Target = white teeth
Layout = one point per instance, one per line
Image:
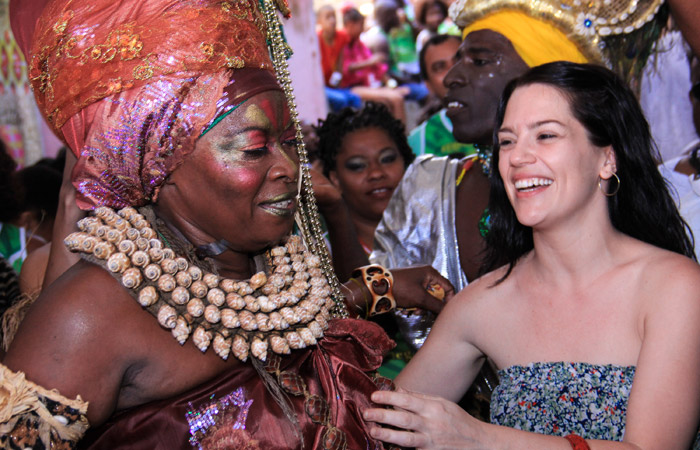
(282, 205)
(532, 182)
(454, 104)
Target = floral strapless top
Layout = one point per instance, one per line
(560, 398)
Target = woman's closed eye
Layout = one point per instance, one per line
(545, 136)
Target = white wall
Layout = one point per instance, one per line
(305, 64)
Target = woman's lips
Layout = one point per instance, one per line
(283, 205)
(382, 193)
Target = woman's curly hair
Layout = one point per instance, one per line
(336, 126)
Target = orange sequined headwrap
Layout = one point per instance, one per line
(130, 84)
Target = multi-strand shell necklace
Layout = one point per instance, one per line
(287, 309)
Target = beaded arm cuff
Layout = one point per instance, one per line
(380, 283)
(33, 417)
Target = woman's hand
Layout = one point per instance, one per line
(425, 422)
(412, 285)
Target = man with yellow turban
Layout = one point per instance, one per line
(438, 214)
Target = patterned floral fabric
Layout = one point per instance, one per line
(561, 398)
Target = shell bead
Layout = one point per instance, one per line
(182, 330)
(240, 347)
(201, 338)
(278, 321)
(248, 321)
(127, 212)
(131, 278)
(278, 251)
(166, 283)
(259, 348)
(127, 247)
(142, 243)
(99, 231)
(221, 346)
(211, 280)
(155, 243)
(216, 296)
(195, 272)
(279, 345)
(169, 266)
(195, 307)
(180, 295)
(103, 250)
(315, 329)
(244, 288)
(148, 296)
(132, 234)
(114, 236)
(199, 289)
(235, 301)
(167, 316)
(251, 303)
(168, 253)
(264, 324)
(212, 314)
(147, 233)
(118, 262)
(182, 263)
(183, 279)
(266, 305)
(140, 258)
(157, 255)
(229, 318)
(87, 245)
(227, 285)
(294, 340)
(258, 280)
(152, 271)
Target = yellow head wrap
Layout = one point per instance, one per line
(537, 42)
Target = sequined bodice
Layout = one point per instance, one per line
(560, 398)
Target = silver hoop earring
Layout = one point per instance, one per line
(617, 188)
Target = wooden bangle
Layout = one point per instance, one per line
(362, 311)
(380, 283)
(577, 442)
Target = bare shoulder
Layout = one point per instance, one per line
(75, 333)
(669, 279)
(478, 300)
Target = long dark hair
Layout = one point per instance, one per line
(606, 107)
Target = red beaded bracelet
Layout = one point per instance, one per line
(577, 442)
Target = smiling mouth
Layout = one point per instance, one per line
(282, 205)
(530, 184)
(454, 104)
(382, 192)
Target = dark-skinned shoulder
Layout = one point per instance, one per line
(78, 338)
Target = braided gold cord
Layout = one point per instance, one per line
(307, 214)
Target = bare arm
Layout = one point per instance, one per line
(72, 340)
(663, 409)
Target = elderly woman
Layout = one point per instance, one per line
(189, 153)
(593, 343)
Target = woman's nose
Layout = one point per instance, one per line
(521, 153)
(285, 165)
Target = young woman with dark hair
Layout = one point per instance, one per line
(641, 207)
(365, 153)
(593, 320)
